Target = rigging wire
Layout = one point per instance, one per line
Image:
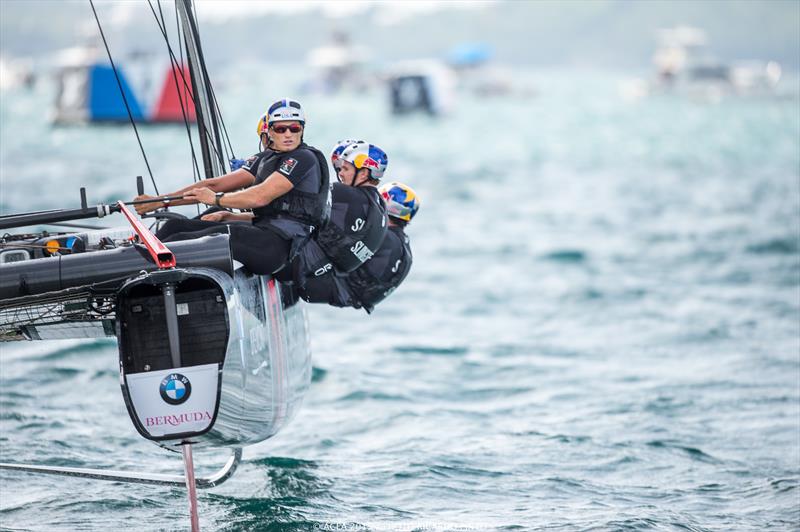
(124, 99)
(213, 116)
(217, 110)
(222, 122)
(186, 83)
(181, 97)
(186, 92)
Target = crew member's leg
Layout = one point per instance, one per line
(261, 251)
(316, 280)
(172, 227)
(207, 211)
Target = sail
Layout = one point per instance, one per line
(105, 100)
(175, 97)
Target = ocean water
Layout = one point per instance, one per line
(601, 329)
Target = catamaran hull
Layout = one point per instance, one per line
(208, 354)
(60, 272)
(244, 360)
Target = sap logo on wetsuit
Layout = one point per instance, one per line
(361, 251)
(359, 223)
(288, 165)
(322, 271)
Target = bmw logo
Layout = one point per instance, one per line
(175, 389)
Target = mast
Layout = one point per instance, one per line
(207, 125)
(208, 128)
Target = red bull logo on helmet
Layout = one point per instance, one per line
(363, 160)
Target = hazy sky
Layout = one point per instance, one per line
(395, 10)
(616, 34)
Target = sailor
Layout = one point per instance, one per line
(286, 186)
(383, 273)
(355, 231)
(336, 153)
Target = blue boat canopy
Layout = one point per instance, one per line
(469, 54)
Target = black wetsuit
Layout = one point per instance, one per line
(354, 233)
(383, 273)
(280, 229)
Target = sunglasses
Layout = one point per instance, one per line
(294, 128)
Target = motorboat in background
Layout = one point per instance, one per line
(338, 66)
(477, 74)
(15, 72)
(433, 86)
(424, 85)
(685, 66)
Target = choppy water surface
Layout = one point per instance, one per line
(601, 330)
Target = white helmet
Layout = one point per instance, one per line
(364, 155)
(336, 154)
(285, 110)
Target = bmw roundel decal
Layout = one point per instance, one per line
(175, 389)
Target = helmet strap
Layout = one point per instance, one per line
(369, 176)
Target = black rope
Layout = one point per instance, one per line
(186, 91)
(163, 25)
(217, 110)
(186, 85)
(195, 27)
(221, 121)
(124, 99)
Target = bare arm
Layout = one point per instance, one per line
(228, 216)
(275, 186)
(233, 181)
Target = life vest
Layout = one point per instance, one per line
(317, 281)
(312, 208)
(374, 281)
(349, 249)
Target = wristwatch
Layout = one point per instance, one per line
(217, 197)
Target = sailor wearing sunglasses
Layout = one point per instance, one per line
(286, 186)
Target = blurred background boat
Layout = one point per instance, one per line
(338, 66)
(684, 65)
(89, 91)
(479, 74)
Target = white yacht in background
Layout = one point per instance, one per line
(685, 66)
(477, 73)
(16, 73)
(338, 66)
